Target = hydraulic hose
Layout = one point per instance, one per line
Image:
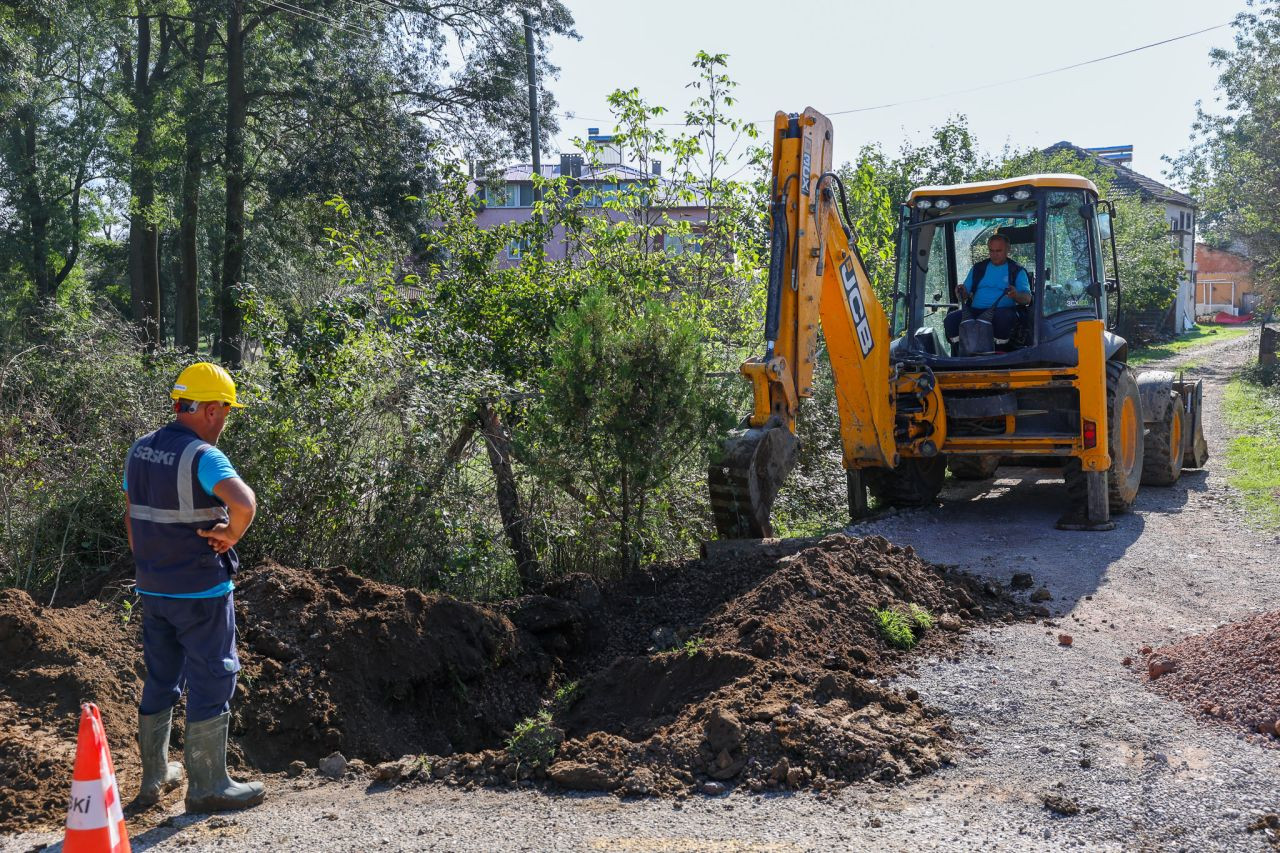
(778, 240)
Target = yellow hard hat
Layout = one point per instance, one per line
(205, 382)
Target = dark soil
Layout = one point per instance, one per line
(1231, 675)
(762, 668)
(331, 661)
(51, 660)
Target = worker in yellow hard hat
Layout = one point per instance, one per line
(187, 509)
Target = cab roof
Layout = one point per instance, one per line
(1058, 180)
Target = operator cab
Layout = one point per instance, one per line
(1056, 228)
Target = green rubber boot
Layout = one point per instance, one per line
(159, 774)
(209, 788)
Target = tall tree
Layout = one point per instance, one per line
(145, 67)
(1233, 167)
(195, 134)
(230, 342)
(52, 99)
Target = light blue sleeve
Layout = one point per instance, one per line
(214, 467)
(968, 281)
(1021, 284)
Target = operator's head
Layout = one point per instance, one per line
(998, 248)
(203, 396)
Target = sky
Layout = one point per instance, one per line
(845, 55)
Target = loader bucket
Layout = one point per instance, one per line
(745, 478)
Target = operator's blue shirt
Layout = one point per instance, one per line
(214, 467)
(992, 287)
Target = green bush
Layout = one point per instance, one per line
(902, 629)
(628, 406)
(534, 740)
(76, 389)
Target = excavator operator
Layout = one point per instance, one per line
(998, 284)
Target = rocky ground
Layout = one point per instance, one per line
(1062, 744)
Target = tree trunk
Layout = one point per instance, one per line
(187, 302)
(37, 215)
(230, 342)
(513, 520)
(144, 237)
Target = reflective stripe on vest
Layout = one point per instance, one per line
(186, 513)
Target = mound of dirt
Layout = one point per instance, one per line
(331, 661)
(764, 668)
(54, 659)
(1231, 675)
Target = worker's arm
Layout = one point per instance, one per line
(1020, 292)
(1018, 296)
(241, 504)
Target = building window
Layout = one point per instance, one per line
(518, 248)
(510, 195)
(679, 244)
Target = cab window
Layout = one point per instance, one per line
(1069, 265)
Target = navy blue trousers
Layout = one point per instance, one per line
(191, 643)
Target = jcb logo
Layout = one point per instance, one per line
(854, 295)
(148, 454)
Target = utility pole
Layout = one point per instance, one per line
(533, 102)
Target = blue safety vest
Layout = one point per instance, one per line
(167, 505)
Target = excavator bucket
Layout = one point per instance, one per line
(745, 479)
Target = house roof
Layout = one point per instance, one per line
(614, 172)
(1126, 180)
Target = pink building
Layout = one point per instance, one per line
(512, 201)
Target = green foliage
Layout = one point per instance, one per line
(1233, 166)
(900, 628)
(353, 404)
(895, 628)
(921, 619)
(692, 646)
(76, 389)
(534, 740)
(566, 695)
(627, 397)
(1150, 264)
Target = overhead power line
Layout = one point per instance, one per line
(982, 87)
(1023, 78)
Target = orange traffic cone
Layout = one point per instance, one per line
(95, 822)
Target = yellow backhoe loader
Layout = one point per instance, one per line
(914, 400)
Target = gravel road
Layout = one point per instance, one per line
(1039, 719)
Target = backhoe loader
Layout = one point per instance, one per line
(912, 401)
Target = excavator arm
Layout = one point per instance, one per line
(815, 276)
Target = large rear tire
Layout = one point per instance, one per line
(972, 467)
(915, 482)
(1164, 446)
(1124, 437)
